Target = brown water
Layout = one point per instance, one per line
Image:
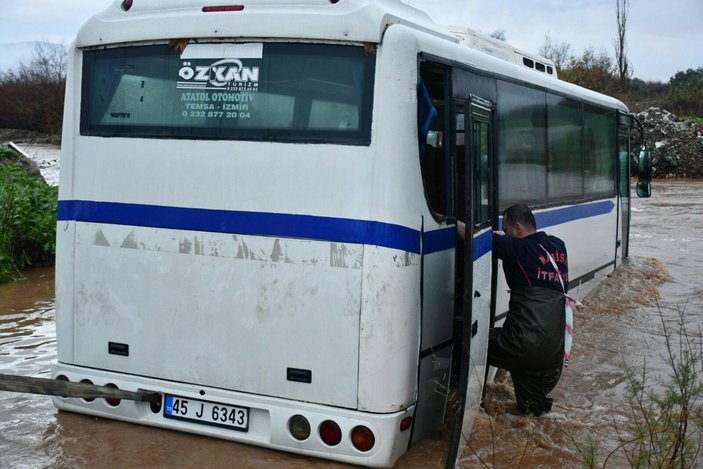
(620, 323)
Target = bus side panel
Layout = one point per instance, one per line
(436, 349)
(438, 298)
(390, 318)
(390, 330)
(66, 230)
(585, 240)
(237, 311)
(65, 239)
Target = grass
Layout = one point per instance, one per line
(27, 219)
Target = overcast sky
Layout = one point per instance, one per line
(663, 37)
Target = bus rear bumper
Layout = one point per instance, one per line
(268, 417)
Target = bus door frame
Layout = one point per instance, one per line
(624, 122)
(478, 293)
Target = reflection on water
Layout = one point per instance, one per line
(619, 324)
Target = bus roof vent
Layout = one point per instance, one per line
(502, 50)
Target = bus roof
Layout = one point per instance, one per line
(334, 20)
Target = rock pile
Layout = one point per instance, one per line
(677, 145)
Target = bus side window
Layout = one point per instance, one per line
(460, 158)
(434, 174)
(434, 160)
(482, 173)
(460, 183)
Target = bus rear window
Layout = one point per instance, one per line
(269, 91)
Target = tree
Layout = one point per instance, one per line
(642, 95)
(686, 93)
(595, 72)
(623, 65)
(31, 97)
(557, 53)
(640, 89)
(48, 63)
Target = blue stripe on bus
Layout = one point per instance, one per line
(483, 244)
(246, 223)
(445, 238)
(439, 240)
(300, 226)
(576, 212)
(566, 214)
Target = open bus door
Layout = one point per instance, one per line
(476, 295)
(623, 173)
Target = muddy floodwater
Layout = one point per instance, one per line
(619, 325)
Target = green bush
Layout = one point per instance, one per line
(686, 93)
(27, 219)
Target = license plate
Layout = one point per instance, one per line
(209, 413)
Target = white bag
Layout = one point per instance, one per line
(569, 329)
(569, 304)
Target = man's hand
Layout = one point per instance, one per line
(461, 229)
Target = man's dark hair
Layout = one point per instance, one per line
(520, 213)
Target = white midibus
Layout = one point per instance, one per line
(257, 214)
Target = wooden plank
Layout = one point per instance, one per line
(55, 387)
(18, 150)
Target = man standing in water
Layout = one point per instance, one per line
(530, 345)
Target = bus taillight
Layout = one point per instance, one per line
(362, 438)
(127, 4)
(330, 433)
(299, 427)
(62, 378)
(87, 381)
(113, 401)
